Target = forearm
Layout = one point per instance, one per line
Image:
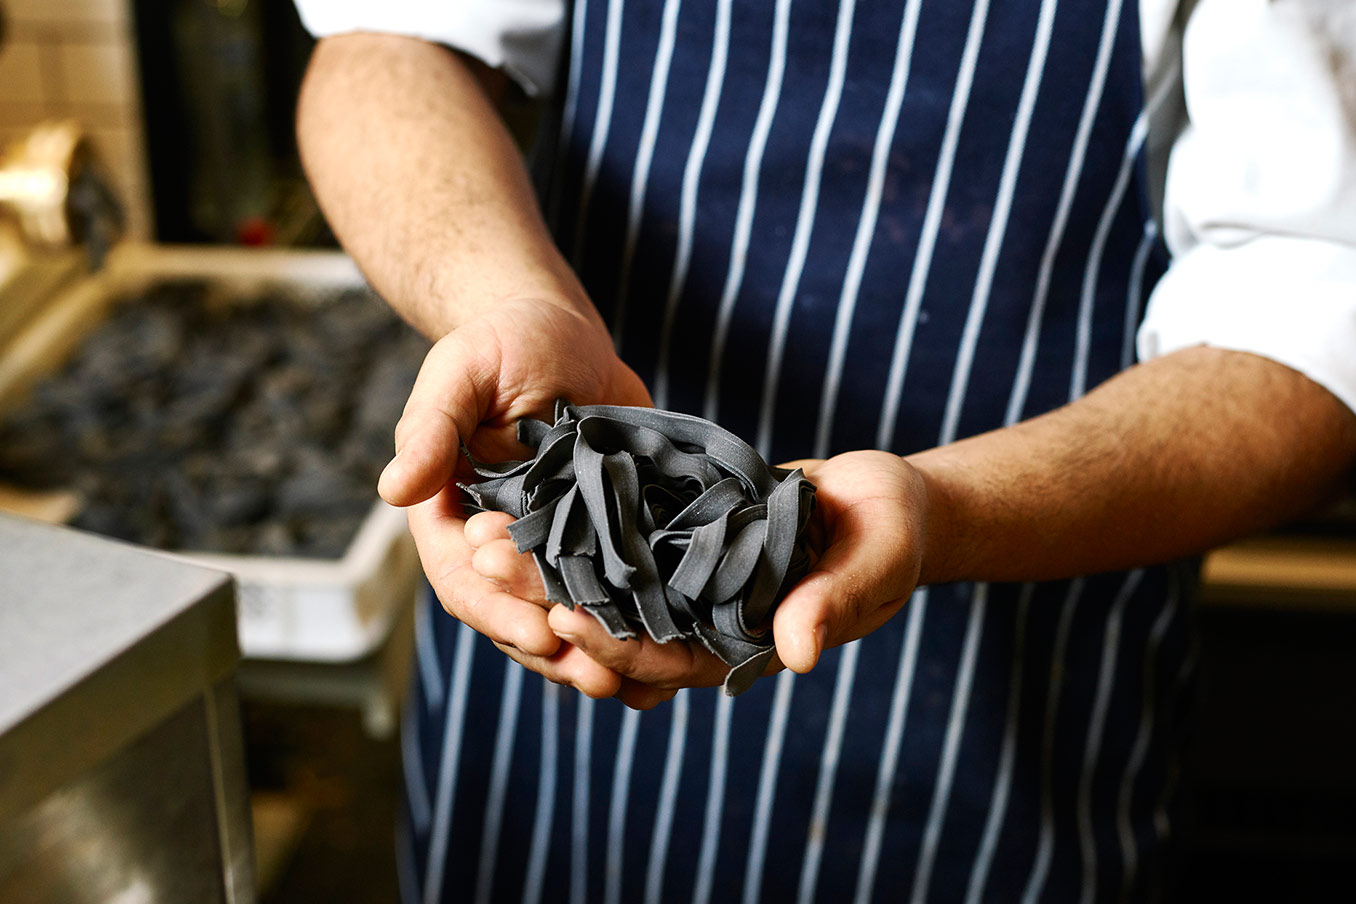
(1167, 459)
(422, 183)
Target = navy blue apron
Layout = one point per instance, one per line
(835, 226)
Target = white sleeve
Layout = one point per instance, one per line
(521, 37)
(1260, 198)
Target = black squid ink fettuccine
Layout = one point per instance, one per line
(658, 521)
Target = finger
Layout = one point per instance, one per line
(666, 665)
(854, 588)
(642, 696)
(485, 606)
(499, 561)
(803, 464)
(484, 527)
(450, 397)
(570, 666)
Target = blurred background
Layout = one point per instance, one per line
(188, 102)
(153, 214)
(208, 248)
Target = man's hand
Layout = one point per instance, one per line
(873, 509)
(510, 585)
(513, 617)
(475, 384)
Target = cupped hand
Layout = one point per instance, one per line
(474, 385)
(639, 672)
(873, 509)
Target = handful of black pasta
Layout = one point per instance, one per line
(659, 520)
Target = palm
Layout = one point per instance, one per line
(476, 383)
(478, 380)
(565, 357)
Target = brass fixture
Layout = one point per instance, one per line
(53, 191)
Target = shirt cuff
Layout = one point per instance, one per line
(521, 37)
(1292, 300)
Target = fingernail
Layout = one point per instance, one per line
(391, 465)
(388, 483)
(821, 637)
(567, 632)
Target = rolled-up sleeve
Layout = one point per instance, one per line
(521, 37)
(1260, 196)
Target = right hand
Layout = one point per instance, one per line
(475, 383)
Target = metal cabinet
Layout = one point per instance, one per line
(121, 764)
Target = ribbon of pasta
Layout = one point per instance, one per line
(657, 521)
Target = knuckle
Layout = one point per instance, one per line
(487, 560)
(452, 603)
(449, 575)
(486, 527)
(620, 656)
(661, 681)
(855, 605)
(402, 429)
(666, 676)
(511, 652)
(594, 690)
(859, 609)
(529, 638)
(644, 698)
(599, 687)
(504, 556)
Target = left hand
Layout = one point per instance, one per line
(872, 508)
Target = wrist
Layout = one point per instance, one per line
(452, 300)
(944, 548)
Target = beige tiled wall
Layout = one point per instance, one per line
(77, 59)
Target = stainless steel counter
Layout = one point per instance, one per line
(121, 767)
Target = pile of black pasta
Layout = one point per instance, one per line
(657, 521)
(193, 419)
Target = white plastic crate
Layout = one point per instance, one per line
(299, 609)
(324, 611)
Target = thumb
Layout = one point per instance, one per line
(448, 401)
(863, 578)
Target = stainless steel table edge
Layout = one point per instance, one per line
(113, 704)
